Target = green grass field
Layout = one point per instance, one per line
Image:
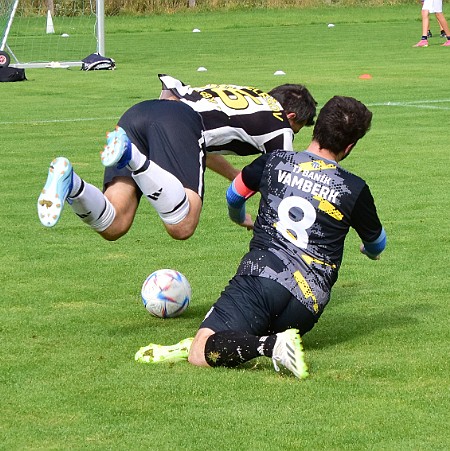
(70, 308)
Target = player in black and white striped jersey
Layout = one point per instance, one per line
(244, 120)
(158, 150)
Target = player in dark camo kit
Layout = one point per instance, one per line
(282, 285)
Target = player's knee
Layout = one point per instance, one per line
(181, 231)
(113, 235)
(197, 351)
(197, 355)
(184, 227)
(196, 359)
(181, 236)
(116, 230)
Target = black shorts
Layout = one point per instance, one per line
(169, 133)
(258, 306)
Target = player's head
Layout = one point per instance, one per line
(342, 121)
(298, 103)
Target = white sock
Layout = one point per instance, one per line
(93, 207)
(137, 160)
(164, 192)
(76, 184)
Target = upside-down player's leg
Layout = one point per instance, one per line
(186, 227)
(63, 186)
(122, 192)
(178, 206)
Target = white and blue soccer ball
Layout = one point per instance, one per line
(166, 293)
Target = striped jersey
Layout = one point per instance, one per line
(238, 120)
(307, 207)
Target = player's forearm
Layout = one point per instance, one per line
(236, 204)
(219, 164)
(373, 249)
(237, 194)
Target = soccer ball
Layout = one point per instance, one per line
(166, 293)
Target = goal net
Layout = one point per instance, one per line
(51, 33)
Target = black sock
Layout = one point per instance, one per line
(231, 348)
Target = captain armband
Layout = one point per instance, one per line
(236, 205)
(237, 194)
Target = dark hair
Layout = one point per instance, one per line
(296, 99)
(342, 121)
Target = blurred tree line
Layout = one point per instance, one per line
(116, 7)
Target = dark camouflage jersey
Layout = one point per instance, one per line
(307, 207)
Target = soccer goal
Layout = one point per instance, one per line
(50, 33)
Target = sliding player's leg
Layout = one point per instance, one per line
(237, 328)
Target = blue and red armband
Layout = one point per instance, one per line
(237, 194)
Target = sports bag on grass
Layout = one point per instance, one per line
(12, 74)
(97, 62)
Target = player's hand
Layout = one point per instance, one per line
(248, 223)
(363, 251)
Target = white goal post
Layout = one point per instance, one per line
(50, 33)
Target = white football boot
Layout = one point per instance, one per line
(288, 351)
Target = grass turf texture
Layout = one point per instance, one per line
(71, 314)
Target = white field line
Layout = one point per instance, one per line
(57, 121)
(424, 104)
